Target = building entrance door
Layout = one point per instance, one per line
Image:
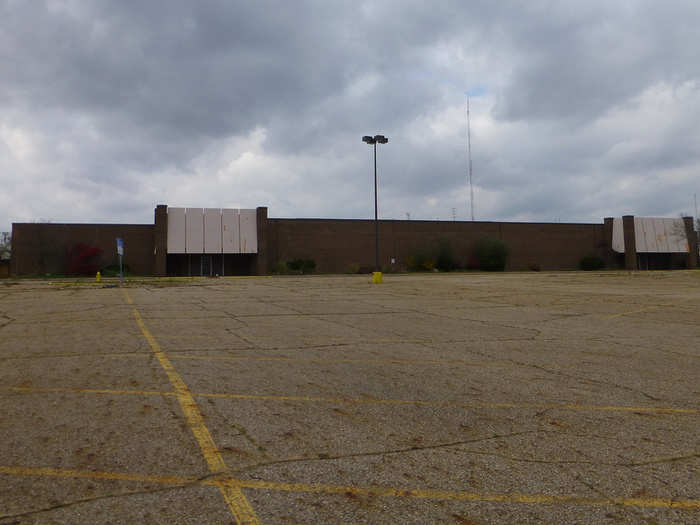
(206, 266)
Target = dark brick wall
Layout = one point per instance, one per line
(337, 245)
(160, 240)
(41, 248)
(692, 237)
(261, 259)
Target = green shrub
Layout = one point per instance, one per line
(491, 254)
(445, 260)
(421, 262)
(591, 262)
(353, 268)
(308, 266)
(301, 265)
(439, 257)
(113, 270)
(280, 268)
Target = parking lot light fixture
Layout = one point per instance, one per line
(373, 141)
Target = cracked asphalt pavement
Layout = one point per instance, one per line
(461, 398)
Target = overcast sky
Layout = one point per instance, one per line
(579, 110)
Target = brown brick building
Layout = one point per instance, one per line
(336, 245)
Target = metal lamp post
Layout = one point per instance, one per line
(377, 139)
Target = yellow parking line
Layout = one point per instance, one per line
(107, 391)
(542, 499)
(91, 474)
(427, 362)
(358, 361)
(148, 355)
(473, 496)
(369, 401)
(48, 334)
(653, 307)
(539, 406)
(239, 505)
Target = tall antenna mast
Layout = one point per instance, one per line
(469, 156)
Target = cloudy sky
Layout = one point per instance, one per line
(579, 110)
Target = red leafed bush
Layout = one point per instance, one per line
(83, 259)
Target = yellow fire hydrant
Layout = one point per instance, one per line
(98, 277)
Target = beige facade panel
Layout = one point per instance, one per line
(195, 230)
(660, 235)
(677, 236)
(618, 240)
(231, 231)
(645, 235)
(249, 231)
(212, 230)
(653, 235)
(176, 230)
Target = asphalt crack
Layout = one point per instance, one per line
(415, 448)
(80, 501)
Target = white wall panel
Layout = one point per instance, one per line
(176, 230)
(618, 240)
(645, 239)
(677, 238)
(653, 235)
(249, 231)
(212, 230)
(230, 231)
(195, 230)
(657, 235)
(655, 242)
(661, 236)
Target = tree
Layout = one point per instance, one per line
(5, 246)
(696, 222)
(492, 254)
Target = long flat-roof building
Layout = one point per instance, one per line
(215, 241)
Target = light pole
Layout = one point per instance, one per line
(377, 139)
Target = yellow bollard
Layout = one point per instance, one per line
(376, 277)
(98, 277)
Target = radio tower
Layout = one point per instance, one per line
(469, 157)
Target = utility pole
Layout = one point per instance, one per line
(469, 157)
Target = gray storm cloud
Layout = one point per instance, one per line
(583, 111)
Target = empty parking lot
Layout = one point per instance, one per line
(454, 398)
